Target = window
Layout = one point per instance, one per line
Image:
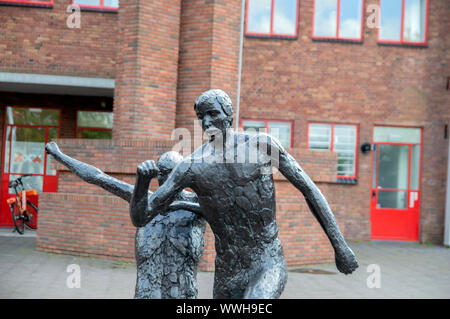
(277, 18)
(97, 125)
(403, 21)
(338, 19)
(107, 5)
(27, 131)
(34, 3)
(339, 138)
(281, 130)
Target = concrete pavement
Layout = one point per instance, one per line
(405, 271)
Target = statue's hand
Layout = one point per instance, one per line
(346, 261)
(147, 169)
(52, 148)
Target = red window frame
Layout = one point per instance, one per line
(82, 129)
(241, 126)
(337, 37)
(100, 7)
(89, 128)
(52, 181)
(28, 3)
(271, 33)
(332, 124)
(402, 41)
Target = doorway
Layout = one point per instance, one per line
(395, 197)
(25, 134)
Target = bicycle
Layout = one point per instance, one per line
(23, 211)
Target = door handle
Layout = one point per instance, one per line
(373, 195)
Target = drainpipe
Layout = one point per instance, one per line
(447, 204)
(241, 45)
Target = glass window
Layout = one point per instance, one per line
(94, 134)
(407, 15)
(414, 26)
(393, 166)
(37, 3)
(30, 182)
(87, 2)
(345, 145)
(256, 126)
(7, 146)
(415, 167)
(95, 119)
(390, 20)
(335, 19)
(350, 23)
(319, 137)
(392, 199)
(397, 134)
(100, 4)
(94, 125)
(280, 130)
(32, 116)
(339, 138)
(111, 3)
(325, 14)
(258, 16)
(27, 150)
(285, 17)
(272, 18)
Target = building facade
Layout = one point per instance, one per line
(357, 91)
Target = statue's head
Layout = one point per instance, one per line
(215, 111)
(166, 163)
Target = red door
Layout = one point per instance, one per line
(395, 194)
(26, 132)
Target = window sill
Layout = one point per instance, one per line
(104, 10)
(407, 45)
(346, 41)
(349, 181)
(272, 36)
(24, 4)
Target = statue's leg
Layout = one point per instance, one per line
(91, 174)
(269, 283)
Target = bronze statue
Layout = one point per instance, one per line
(167, 249)
(231, 175)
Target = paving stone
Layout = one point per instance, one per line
(407, 271)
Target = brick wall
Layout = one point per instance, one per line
(86, 220)
(209, 52)
(69, 105)
(146, 86)
(37, 40)
(366, 84)
(163, 54)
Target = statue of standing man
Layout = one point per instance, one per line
(231, 175)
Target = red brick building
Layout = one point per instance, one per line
(332, 77)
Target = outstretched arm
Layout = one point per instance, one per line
(91, 174)
(345, 259)
(144, 206)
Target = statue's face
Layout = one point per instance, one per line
(213, 118)
(162, 176)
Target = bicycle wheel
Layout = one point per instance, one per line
(17, 218)
(32, 214)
